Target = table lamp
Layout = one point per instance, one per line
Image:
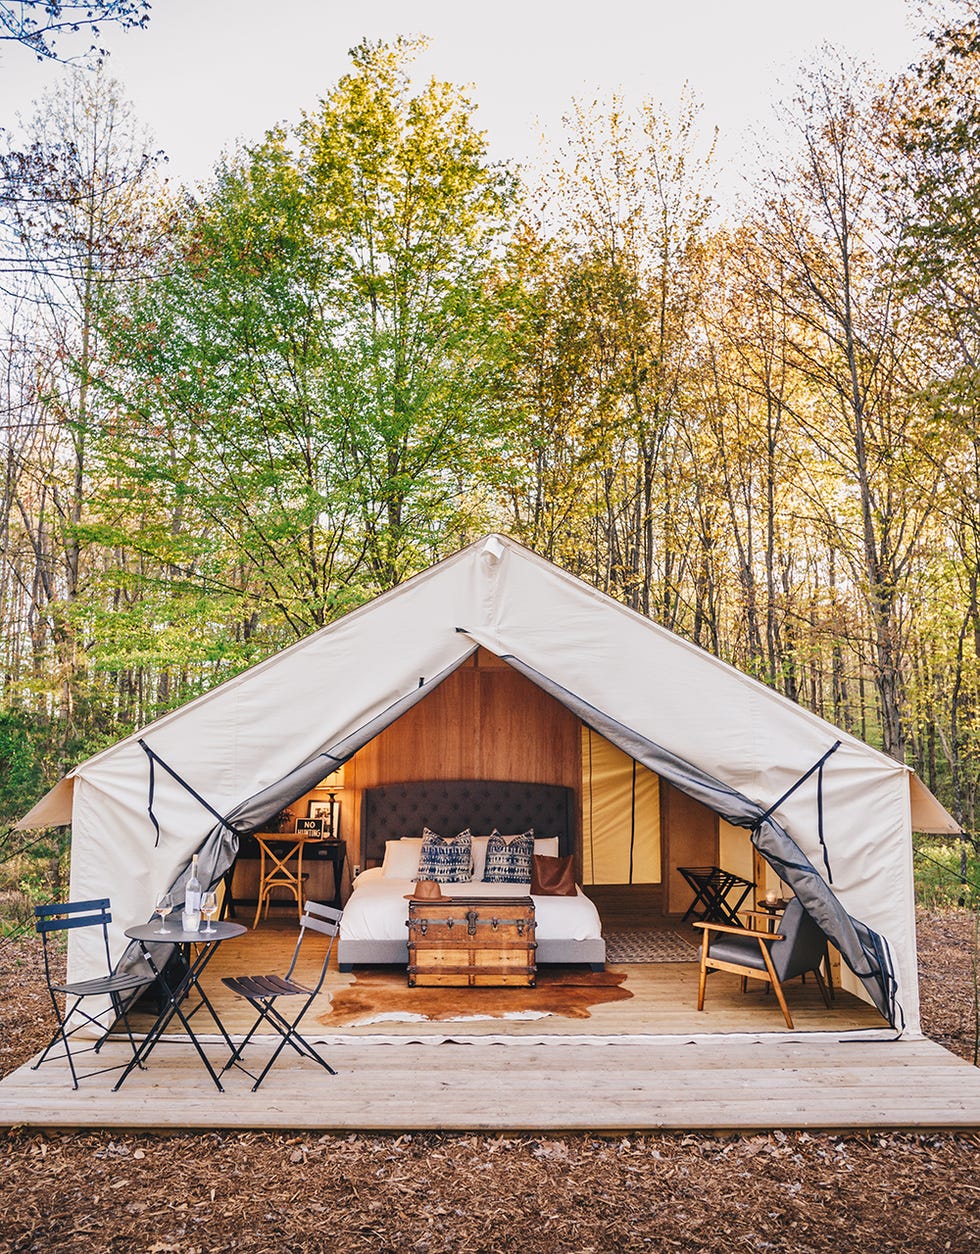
(333, 784)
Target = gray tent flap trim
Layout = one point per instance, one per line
(864, 951)
(257, 809)
(220, 848)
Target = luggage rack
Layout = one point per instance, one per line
(712, 886)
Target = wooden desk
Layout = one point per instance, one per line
(322, 883)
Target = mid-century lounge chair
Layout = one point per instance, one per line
(118, 987)
(263, 991)
(797, 947)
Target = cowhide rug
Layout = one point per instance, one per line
(378, 996)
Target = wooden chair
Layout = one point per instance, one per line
(263, 991)
(63, 917)
(276, 852)
(798, 947)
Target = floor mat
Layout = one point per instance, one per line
(637, 944)
(376, 996)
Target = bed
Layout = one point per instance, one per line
(373, 929)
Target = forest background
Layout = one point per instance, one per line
(233, 414)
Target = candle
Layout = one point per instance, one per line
(770, 898)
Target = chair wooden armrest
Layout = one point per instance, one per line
(740, 931)
(757, 914)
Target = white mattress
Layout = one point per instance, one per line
(377, 909)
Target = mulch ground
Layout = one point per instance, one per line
(292, 1191)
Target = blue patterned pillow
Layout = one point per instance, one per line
(509, 858)
(446, 859)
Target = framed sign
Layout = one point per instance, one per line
(328, 813)
(312, 826)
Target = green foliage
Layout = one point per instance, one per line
(21, 771)
(28, 880)
(239, 415)
(941, 879)
(304, 396)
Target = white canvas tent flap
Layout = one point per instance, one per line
(928, 815)
(53, 810)
(240, 745)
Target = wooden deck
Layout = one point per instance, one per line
(644, 1063)
(712, 1085)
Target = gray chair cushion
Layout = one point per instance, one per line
(744, 952)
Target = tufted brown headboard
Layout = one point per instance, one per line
(449, 805)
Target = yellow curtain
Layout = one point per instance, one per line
(620, 816)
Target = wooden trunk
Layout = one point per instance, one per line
(471, 941)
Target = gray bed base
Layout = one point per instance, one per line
(448, 806)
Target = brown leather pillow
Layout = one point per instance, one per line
(552, 877)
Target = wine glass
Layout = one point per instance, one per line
(209, 908)
(163, 907)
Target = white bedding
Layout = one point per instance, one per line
(377, 909)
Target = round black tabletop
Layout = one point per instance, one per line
(175, 934)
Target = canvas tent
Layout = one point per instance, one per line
(822, 806)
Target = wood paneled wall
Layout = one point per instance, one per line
(690, 838)
(488, 722)
(484, 722)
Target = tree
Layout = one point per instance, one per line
(835, 237)
(41, 24)
(308, 376)
(938, 136)
(73, 217)
(611, 304)
(410, 215)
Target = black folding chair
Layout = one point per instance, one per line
(114, 984)
(264, 991)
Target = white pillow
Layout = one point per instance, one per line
(401, 860)
(479, 847)
(546, 846)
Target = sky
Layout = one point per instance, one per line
(206, 74)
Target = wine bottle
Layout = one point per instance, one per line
(192, 891)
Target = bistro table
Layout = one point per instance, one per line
(148, 936)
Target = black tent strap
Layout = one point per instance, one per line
(818, 768)
(779, 864)
(965, 883)
(823, 843)
(154, 757)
